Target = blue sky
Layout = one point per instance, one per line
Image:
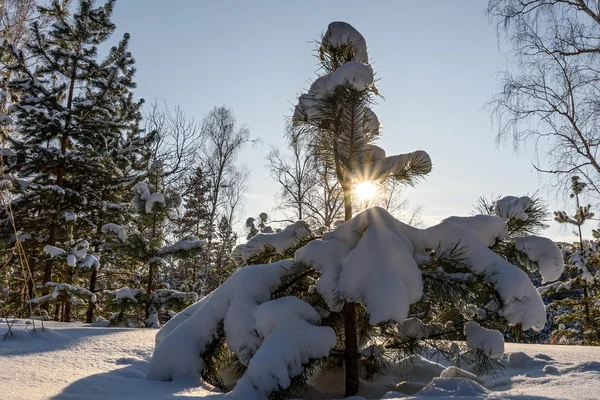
(437, 61)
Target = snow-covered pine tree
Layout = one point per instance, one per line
(421, 291)
(575, 298)
(283, 323)
(76, 119)
(335, 120)
(195, 220)
(225, 242)
(146, 242)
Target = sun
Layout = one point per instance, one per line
(366, 190)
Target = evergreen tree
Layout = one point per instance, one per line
(224, 264)
(146, 241)
(575, 299)
(195, 221)
(76, 119)
(335, 120)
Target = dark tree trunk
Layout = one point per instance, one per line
(67, 312)
(351, 372)
(89, 315)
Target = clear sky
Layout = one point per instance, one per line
(437, 62)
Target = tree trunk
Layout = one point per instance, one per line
(67, 313)
(89, 315)
(351, 359)
(150, 287)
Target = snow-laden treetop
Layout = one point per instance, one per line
(343, 34)
(337, 105)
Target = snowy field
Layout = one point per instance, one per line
(78, 361)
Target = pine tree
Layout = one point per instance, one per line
(76, 119)
(575, 298)
(146, 242)
(195, 221)
(335, 120)
(224, 264)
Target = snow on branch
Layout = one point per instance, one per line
(490, 341)
(405, 167)
(509, 207)
(234, 306)
(273, 243)
(545, 253)
(125, 294)
(371, 259)
(187, 244)
(89, 261)
(116, 230)
(352, 74)
(53, 251)
(144, 200)
(343, 34)
(366, 260)
(64, 290)
(290, 329)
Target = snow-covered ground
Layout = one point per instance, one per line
(79, 361)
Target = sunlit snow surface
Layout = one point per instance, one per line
(79, 361)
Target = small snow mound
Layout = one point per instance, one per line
(588, 366)
(550, 369)
(518, 359)
(391, 395)
(453, 387)
(455, 372)
(419, 368)
(101, 322)
(543, 357)
(409, 388)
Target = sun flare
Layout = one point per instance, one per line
(366, 190)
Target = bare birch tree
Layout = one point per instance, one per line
(553, 100)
